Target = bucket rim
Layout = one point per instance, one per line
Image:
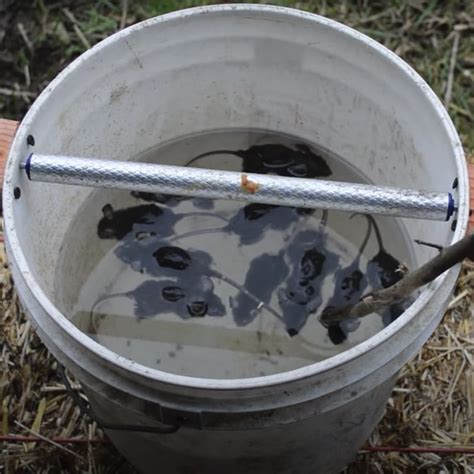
(147, 373)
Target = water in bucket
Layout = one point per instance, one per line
(224, 289)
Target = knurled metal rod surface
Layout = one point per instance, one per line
(256, 188)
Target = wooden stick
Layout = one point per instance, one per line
(396, 293)
(7, 132)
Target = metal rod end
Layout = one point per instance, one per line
(26, 165)
(451, 206)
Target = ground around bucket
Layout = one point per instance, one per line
(431, 408)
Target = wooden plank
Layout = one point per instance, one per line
(7, 132)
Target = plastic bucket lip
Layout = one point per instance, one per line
(15, 252)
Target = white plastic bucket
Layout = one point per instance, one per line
(235, 66)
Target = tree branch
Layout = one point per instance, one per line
(398, 292)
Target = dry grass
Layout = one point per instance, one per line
(433, 402)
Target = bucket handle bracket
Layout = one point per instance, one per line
(86, 410)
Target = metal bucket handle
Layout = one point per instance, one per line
(87, 411)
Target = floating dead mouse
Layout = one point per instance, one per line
(155, 256)
(349, 285)
(265, 274)
(173, 201)
(302, 295)
(187, 290)
(189, 265)
(300, 162)
(278, 159)
(253, 220)
(118, 224)
(140, 230)
(249, 223)
(188, 299)
(383, 271)
(283, 161)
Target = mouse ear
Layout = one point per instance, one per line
(108, 212)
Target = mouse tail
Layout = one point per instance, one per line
(99, 301)
(202, 214)
(373, 224)
(366, 238)
(210, 230)
(238, 286)
(324, 219)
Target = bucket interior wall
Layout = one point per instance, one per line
(217, 71)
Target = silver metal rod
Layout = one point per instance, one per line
(268, 189)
